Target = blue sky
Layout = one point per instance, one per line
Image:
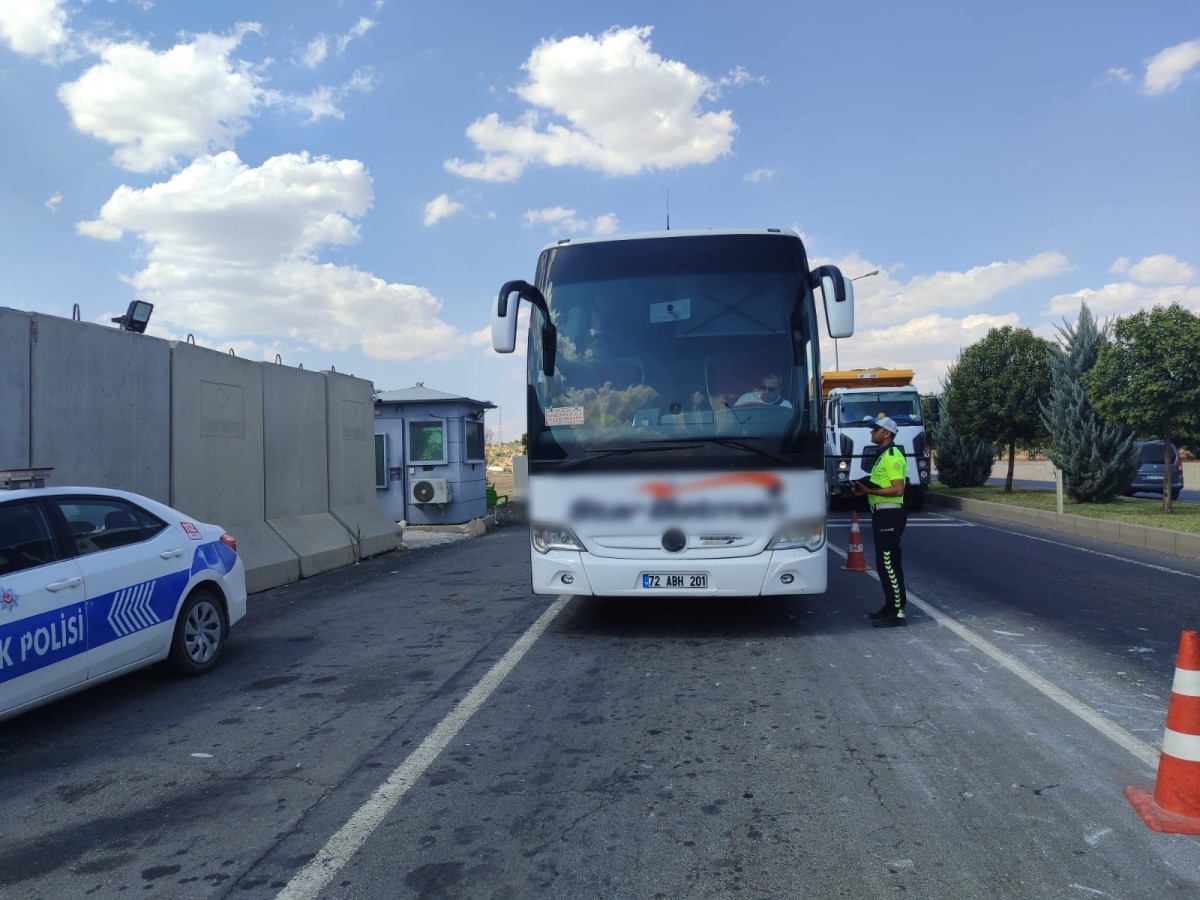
(347, 184)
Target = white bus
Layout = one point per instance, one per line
(674, 413)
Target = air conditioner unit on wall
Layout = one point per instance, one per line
(429, 490)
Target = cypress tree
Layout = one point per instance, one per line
(961, 461)
(1098, 461)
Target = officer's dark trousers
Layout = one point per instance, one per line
(887, 525)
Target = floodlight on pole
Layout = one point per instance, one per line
(837, 363)
(136, 318)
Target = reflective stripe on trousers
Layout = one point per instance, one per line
(887, 526)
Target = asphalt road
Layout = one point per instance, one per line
(421, 726)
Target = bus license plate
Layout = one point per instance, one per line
(674, 580)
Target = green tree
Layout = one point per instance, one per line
(994, 390)
(1098, 461)
(961, 461)
(1147, 376)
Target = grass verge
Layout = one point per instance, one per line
(1132, 510)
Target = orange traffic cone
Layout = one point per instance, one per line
(1174, 806)
(856, 560)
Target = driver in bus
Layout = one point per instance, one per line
(769, 393)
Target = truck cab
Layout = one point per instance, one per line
(853, 401)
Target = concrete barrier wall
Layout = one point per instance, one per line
(102, 403)
(351, 431)
(296, 469)
(282, 458)
(217, 467)
(520, 466)
(14, 388)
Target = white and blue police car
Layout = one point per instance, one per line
(96, 582)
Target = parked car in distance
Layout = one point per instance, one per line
(95, 583)
(1149, 477)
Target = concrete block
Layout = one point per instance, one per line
(1108, 531)
(319, 541)
(1187, 544)
(100, 406)
(520, 466)
(269, 561)
(1131, 535)
(217, 436)
(350, 412)
(295, 446)
(1086, 527)
(374, 532)
(1161, 539)
(14, 389)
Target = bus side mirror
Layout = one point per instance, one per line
(838, 293)
(504, 322)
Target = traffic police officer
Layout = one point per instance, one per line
(884, 491)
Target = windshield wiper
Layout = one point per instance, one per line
(606, 452)
(735, 443)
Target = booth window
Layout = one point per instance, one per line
(473, 441)
(381, 461)
(427, 441)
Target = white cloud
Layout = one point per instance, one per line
(325, 101)
(1124, 298)
(1112, 75)
(100, 230)
(1121, 264)
(361, 27)
(157, 107)
(886, 299)
(927, 344)
(1162, 269)
(54, 201)
(764, 174)
(1166, 70)
(562, 220)
(606, 224)
(232, 252)
(34, 27)
(439, 208)
(316, 52)
(648, 115)
(559, 218)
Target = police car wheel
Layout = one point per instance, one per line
(199, 633)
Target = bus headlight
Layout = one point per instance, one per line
(554, 537)
(807, 534)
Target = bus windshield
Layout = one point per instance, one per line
(676, 350)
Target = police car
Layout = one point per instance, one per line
(95, 583)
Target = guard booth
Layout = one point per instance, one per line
(430, 456)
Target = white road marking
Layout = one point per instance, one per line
(1111, 730)
(1125, 559)
(912, 523)
(309, 881)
